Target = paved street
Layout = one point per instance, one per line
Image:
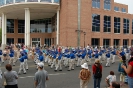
(63, 79)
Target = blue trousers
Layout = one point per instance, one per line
(97, 82)
(130, 82)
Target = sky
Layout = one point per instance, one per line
(127, 2)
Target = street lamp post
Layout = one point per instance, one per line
(84, 38)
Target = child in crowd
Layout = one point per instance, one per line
(110, 78)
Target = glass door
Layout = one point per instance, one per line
(36, 42)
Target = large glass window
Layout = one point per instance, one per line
(36, 42)
(107, 4)
(2, 2)
(9, 1)
(125, 43)
(132, 26)
(10, 41)
(123, 10)
(116, 43)
(10, 26)
(48, 41)
(21, 40)
(56, 1)
(107, 24)
(95, 23)
(41, 26)
(32, 0)
(19, 1)
(116, 8)
(21, 26)
(125, 26)
(96, 3)
(117, 25)
(45, 0)
(131, 42)
(95, 42)
(106, 43)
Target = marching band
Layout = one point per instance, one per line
(60, 56)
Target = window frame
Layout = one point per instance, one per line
(95, 23)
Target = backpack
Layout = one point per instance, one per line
(98, 73)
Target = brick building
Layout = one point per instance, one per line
(66, 22)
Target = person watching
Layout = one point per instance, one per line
(40, 76)
(129, 71)
(10, 77)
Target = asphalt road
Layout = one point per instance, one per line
(60, 79)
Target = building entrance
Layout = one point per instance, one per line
(36, 42)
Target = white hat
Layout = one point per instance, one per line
(85, 66)
(40, 64)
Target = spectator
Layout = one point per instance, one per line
(41, 76)
(10, 77)
(84, 76)
(110, 78)
(121, 70)
(129, 71)
(97, 73)
(115, 85)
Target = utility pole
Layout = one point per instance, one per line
(78, 32)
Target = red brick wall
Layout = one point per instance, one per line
(69, 22)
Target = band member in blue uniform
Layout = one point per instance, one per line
(71, 61)
(22, 68)
(108, 59)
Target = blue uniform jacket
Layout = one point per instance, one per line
(113, 52)
(0, 52)
(21, 59)
(96, 55)
(59, 57)
(122, 53)
(11, 54)
(68, 55)
(72, 56)
(41, 58)
(100, 53)
(83, 55)
(108, 55)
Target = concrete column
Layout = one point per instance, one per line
(112, 42)
(52, 1)
(129, 42)
(14, 1)
(3, 40)
(57, 34)
(3, 31)
(101, 42)
(5, 2)
(27, 27)
(121, 43)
